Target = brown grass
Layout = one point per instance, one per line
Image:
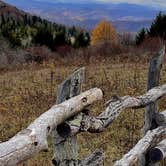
(26, 93)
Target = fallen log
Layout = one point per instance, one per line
(33, 139)
(142, 147)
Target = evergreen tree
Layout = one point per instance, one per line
(24, 28)
(158, 27)
(44, 37)
(82, 40)
(140, 36)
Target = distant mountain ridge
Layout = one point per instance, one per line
(23, 29)
(125, 17)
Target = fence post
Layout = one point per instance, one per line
(153, 81)
(65, 146)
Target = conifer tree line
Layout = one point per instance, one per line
(26, 30)
(157, 29)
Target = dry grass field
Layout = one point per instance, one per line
(30, 91)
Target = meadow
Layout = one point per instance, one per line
(30, 90)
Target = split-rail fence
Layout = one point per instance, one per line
(70, 116)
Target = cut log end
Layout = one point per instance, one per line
(155, 155)
(161, 118)
(64, 130)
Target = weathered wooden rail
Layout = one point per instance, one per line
(70, 116)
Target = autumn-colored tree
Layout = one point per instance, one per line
(104, 32)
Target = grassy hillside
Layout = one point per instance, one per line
(27, 93)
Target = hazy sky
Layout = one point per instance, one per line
(147, 2)
(155, 3)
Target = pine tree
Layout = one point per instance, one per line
(158, 27)
(140, 36)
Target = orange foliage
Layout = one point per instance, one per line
(104, 32)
